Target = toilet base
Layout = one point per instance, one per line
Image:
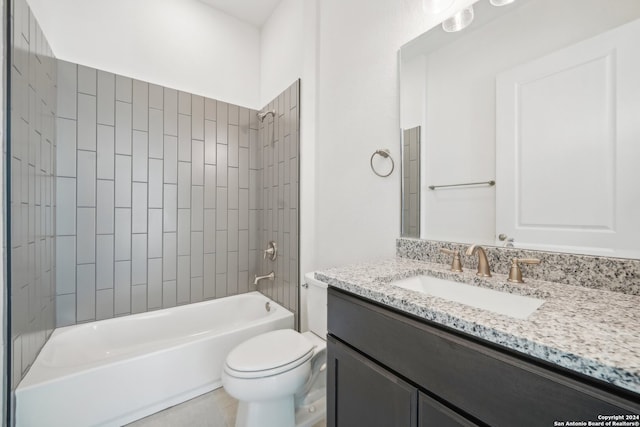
(269, 413)
(309, 415)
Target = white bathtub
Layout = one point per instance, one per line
(114, 371)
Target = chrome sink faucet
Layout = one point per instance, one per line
(483, 263)
(270, 276)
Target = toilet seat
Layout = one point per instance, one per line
(269, 354)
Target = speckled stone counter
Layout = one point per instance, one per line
(592, 331)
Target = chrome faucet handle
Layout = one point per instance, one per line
(456, 264)
(515, 273)
(271, 251)
(483, 262)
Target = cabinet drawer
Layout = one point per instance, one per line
(489, 385)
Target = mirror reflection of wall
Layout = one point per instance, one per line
(411, 182)
(448, 87)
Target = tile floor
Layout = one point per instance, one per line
(213, 409)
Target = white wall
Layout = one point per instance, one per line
(182, 44)
(358, 213)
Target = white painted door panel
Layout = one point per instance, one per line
(568, 148)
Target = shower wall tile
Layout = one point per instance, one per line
(170, 213)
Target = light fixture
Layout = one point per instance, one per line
(501, 2)
(459, 21)
(436, 6)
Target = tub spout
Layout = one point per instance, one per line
(270, 276)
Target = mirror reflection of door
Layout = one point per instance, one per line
(411, 182)
(568, 169)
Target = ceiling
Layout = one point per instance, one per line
(255, 12)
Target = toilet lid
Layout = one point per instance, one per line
(272, 351)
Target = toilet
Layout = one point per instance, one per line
(279, 377)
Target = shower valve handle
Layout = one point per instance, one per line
(271, 251)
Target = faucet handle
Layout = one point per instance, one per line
(456, 264)
(515, 274)
(271, 251)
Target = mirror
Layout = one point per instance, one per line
(529, 129)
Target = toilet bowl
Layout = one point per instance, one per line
(279, 377)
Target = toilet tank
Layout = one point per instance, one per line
(316, 305)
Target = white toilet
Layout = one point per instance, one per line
(279, 377)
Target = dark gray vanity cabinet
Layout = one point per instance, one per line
(389, 369)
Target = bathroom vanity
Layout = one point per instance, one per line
(397, 357)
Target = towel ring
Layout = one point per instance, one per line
(387, 155)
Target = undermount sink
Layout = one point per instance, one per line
(512, 305)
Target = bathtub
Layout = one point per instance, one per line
(114, 371)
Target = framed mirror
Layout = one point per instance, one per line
(529, 127)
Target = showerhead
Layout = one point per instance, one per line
(263, 114)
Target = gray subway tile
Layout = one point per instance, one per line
(210, 276)
(66, 206)
(222, 165)
(197, 289)
(197, 117)
(154, 285)
(244, 127)
(233, 146)
(104, 261)
(106, 98)
(85, 292)
(138, 298)
(123, 128)
(184, 185)
(104, 304)
(155, 233)
(105, 207)
(139, 208)
(140, 156)
(232, 229)
(222, 123)
(156, 134)
(184, 232)
(140, 105)
(67, 84)
(209, 231)
(243, 209)
(105, 152)
(169, 256)
(86, 122)
(66, 147)
(243, 282)
(221, 251)
(233, 114)
(184, 138)
(65, 310)
(170, 210)
(170, 112)
(86, 235)
(221, 284)
(209, 186)
(233, 188)
(123, 89)
(139, 259)
(210, 109)
(184, 279)
(197, 208)
(169, 293)
(232, 273)
(210, 142)
(221, 211)
(123, 181)
(155, 183)
(122, 288)
(197, 163)
(86, 80)
(243, 250)
(156, 97)
(243, 168)
(184, 103)
(86, 179)
(123, 234)
(170, 159)
(197, 242)
(65, 264)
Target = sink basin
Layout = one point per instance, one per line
(512, 305)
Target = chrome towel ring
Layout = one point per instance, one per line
(385, 153)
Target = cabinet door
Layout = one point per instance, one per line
(362, 393)
(434, 414)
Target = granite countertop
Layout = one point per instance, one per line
(592, 331)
